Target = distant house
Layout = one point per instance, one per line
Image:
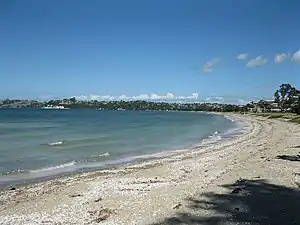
(263, 106)
(296, 105)
(255, 108)
(275, 110)
(274, 107)
(274, 104)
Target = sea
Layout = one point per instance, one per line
(43, 143)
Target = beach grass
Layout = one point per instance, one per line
(276, 115)
(262, 114)
(296, 119)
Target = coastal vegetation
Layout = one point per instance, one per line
(291, 117)
(124, 105)
(286, 105)
(286, 100)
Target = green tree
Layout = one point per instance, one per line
(285, 96)
(73, 100)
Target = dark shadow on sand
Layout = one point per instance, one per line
(294, 158)
(297, 146)
(245, 202)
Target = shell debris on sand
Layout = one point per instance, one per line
(146, 192)
(101, 215)
(124, 186)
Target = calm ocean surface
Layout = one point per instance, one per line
(36, 143)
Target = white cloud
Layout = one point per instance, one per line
(191, 97)
(256, 62)
(242, 56)
(123, 97)
(279, 58)
(168, 96)
(215, 99)
(296, 56)
(96, 97)
(141, 97)
(153, 96)
(208, 67)
(230, 99)
(242, 102)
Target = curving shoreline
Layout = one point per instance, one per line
(25, 177)
(151, 191)
(152, 135)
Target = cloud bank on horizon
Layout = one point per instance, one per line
(170, 97)
(145, 97)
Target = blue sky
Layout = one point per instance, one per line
(160, 49)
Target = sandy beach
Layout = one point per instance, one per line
(252, 179)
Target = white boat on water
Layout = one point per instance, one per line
(54, 107)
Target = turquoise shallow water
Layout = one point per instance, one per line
(37, 143)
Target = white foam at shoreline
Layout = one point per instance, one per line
(52, 168)
(210, 140)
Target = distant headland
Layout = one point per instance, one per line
(286, 99)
